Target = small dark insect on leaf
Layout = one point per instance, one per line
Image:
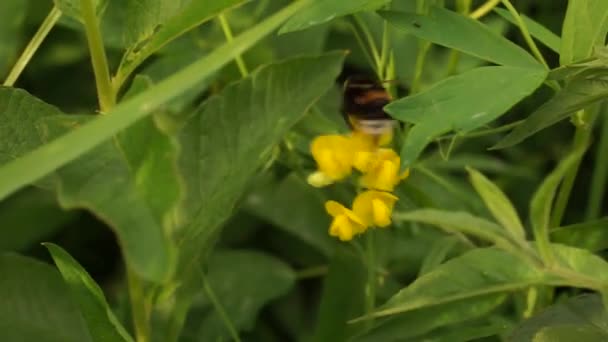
(416, 24)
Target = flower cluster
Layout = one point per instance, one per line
(337, 156)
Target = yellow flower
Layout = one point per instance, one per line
(334, 159)
(382, 171)
(345, 224)
(374, 208)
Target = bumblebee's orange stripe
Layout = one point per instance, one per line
(372, 95)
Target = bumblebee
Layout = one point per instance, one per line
(363, 103)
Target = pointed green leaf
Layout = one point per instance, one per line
(491, 271)
(231, 136)
(590, 235)
(585, 89)
(542, 201)
(101, 322)
(584, 28)
(323, 11)
(462, 103)
(538, 31)
(36, 304)
(581, 318)
(465, 34)
(456, 221)
(70, 146)
(437, 254)
(192, 15)
(499, 205)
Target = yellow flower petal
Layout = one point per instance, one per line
(381, 213)
(374, 207)
(341, 228)
(318, 179)
(333, 156)
(383, 172)
(334, 208)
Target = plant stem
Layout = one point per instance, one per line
(384, 52)
(524, 31)
(484, 9)
(484, 132)
(229, 37)
(312, 272)
(423, 49)
(370, 40)
(220, 310)
(31, 48)
(370, 288)
(582, 136)
(597, 189)
(105, 91)
(139, 307)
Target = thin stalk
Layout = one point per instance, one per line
(384, 52)
(463, 7)
(599, 179)
(524, 31)
(229, 37)
(139, 307)
(105, 91)
(423, 49)
(370, 288)
(370, 39)
(483, 132)
(484, 9)
(582, 136)
(31, 48)
(361, 43)
(220, 309)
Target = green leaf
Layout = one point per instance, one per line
(342, 297)
(585, 89)
(462, 103)
(71, 8)
(309, 223)
(418, 325)
(538, 31)
(323, 11)
(581, 318)
(36, 304)
(12, 18)
(240, 280)
(542, 200)
(465, 34)
(29, 217)
(138, 171)
(491, 271)
(499, 205)
(584, 28)
(590, 235)
(457, 221)
(230, 138)
(438, 254)
(189, 17)
(68, 147)
(100, 320)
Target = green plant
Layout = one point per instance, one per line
(184, 127)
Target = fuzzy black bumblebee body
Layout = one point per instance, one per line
(363, 106)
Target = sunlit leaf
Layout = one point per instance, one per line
(590, 235)
(585, 27)
(71, 8)
(99, 318)
(499, 205)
